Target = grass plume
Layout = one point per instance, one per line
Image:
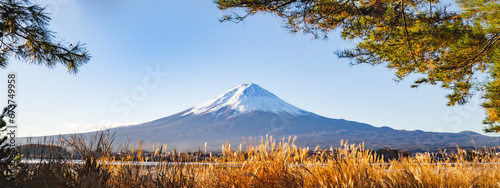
(264, 163)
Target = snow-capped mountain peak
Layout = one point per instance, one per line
(246, 98)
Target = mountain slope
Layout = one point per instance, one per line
(243, 99)
(251, 111)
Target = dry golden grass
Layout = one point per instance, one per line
(268, 163)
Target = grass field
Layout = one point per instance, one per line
(266, 163)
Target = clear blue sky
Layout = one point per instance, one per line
(204, 58)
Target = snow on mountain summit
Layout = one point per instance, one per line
(246, 98)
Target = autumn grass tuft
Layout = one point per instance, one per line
(258, 163)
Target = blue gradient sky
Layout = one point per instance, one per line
(204, 58)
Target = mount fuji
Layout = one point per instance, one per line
(246, 98)
(249, 110)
